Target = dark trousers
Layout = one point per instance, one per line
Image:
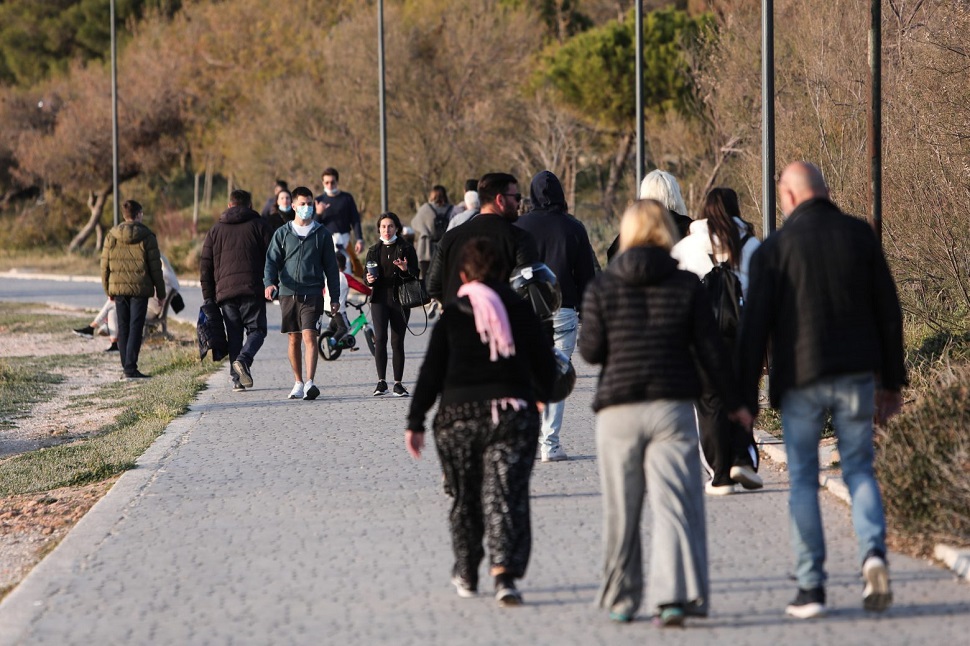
(487, 468)
(424, 266)
(393, 315)
(131, 311)
(244, 314)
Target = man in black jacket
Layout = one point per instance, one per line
(563, 245)
(231, 274)
(500, 197)
(822, 297)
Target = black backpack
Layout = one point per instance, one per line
(727, 299)
(440, 224)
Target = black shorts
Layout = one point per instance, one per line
(300, 312)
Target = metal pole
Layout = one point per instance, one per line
(380, 73)
(768, 114)
(641, 161)
(114, 115)
(875, 116)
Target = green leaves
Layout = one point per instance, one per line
(595, 71)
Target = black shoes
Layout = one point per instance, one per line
(87, 332)
(113, 347)
(381, 388)
(136, 375)
(506, 594)
(808, 604)
(245, 377)
(399, 390)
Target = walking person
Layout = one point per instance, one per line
(300, 262)
(339, 213)
(429, 224)
(230, 274)
(722, 237)
(389, 263)
(500, 197)
(273, 200)
(281, 211)
(823, 300)
(649, 324)
(564, 247)
(131, 273)
(661, 186)
(490, 362)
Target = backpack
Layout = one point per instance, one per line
(727, 300)
(441, 221)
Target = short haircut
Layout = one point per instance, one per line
(491, 185)
(131, 209)
(240, 197)
(341, 260)
(331, 171)
(388, 215)
(479, 261)
(438, 195)
(662, 186)
(301, 190)
(647, 223)
(471, 184)
(281, 184)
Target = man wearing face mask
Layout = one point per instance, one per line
(300, 261)
(500, 197)
(338, 212)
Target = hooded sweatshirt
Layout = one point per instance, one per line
(562, 239)
(651, 327)
(130, 262)
(301, 266)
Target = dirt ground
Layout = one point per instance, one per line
(31, 525)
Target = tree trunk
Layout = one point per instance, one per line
(96, 201)
(617, 165)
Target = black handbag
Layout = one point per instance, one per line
(411, 293)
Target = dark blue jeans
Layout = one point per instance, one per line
(131, 311)
(244, 313)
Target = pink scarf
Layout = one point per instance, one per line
(491, 319)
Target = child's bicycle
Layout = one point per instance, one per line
(330, 349)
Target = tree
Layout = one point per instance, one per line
(594, 73)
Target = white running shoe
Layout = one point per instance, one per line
(297, 392)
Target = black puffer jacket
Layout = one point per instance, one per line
(234, 254)
(651, 327)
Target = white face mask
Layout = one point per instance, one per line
(286, 209)
(304, 212)
(331, 191)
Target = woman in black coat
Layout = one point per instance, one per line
(390, 262)
(491, 362)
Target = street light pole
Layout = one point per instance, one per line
(641, 161)
(875, 115)
(383, 117)
(114, 115)
(768, 115)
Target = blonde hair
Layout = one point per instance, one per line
(662, 186)
(647, 223)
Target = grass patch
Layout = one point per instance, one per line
(21, 318)
(21, 387)
(145, 408)
(51, 261)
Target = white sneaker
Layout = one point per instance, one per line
(555, 454)
(876, 596)
(720, 490)
(297, 392)
(746, 477)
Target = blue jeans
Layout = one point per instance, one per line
(244, 314)
(851, 400)
(565, 324)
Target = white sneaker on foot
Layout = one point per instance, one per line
(746, 477)
(297, 392)
(555, 454)
(718, 490)
(876, 596)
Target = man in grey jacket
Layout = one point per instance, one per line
(300, 261)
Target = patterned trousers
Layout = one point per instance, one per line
(487, 467)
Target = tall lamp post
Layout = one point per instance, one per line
(875, 115)
(383, 117)
(114, 115)
(641, 161)
(768, 115)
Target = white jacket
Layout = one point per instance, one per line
(693, 252)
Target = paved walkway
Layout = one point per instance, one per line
(258, 520)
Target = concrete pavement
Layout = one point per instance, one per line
(259, 520)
